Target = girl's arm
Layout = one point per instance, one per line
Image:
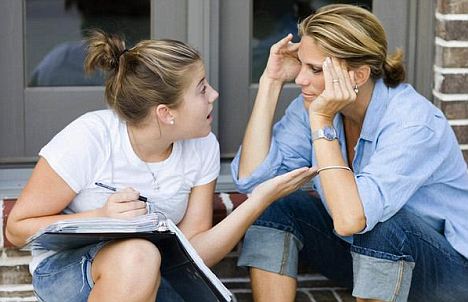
(213, 243)
(46, 194)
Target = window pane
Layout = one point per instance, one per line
(55, 30)
(274, 19)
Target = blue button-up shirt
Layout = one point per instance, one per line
(407, 155)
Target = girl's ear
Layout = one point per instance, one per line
(362, 74)
(164, 115)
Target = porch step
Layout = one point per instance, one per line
(17, 293)
(15, 270)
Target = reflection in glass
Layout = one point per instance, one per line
(55, 30)
(274, 19)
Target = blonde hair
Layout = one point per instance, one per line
(153, 72)
(354, 34)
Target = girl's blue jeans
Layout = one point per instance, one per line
(401, 259)
(66, 276)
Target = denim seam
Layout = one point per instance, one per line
(37, 296)
(84, 272)
(273, 225)
(379, 254)
(400, 279)
(287, 238)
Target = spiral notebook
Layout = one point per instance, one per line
(181, 265)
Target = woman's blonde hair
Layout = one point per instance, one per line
(152, 72)
(354, 34)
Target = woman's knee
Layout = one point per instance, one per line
(390, 236)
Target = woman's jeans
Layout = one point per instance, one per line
(66, 276)
(401, 259)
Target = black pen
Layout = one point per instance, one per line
(100, 184)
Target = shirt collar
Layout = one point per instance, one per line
(376, 110)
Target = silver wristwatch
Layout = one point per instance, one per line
(327, 132)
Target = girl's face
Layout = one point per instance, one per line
(194, 115)
(310, 76)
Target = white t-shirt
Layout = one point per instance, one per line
(96, 148)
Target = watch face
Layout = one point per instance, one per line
(329, 133)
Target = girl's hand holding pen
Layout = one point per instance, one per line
(124, 204)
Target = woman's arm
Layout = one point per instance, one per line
(46, 194)
(214, 243)
(339, 185)
(282, 66)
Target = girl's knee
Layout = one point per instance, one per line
(138, 252)
(129, 259)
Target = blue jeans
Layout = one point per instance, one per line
(401, 259)
(66, 276)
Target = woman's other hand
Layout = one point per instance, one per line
(124, 204)
(339, 90)
(282, 185)
(283, 64)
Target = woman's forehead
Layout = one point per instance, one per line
(310, 52)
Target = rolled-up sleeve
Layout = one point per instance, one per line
(400, 165)
(290, 148)
(266, 170)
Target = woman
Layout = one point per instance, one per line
(155, 141)
(391, 219)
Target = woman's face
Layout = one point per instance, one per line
(310, 76)
(194, 115)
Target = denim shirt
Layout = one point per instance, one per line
(407, 155)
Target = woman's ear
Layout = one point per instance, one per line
(164, 114)
(362, 74)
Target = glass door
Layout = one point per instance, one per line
(43, 85)
(57, 89)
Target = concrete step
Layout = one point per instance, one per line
(14, 267)
(310, 288)
(16, 293)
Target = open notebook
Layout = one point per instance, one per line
(181, 265)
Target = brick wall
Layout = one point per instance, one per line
(5, 207)
(451, 66)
